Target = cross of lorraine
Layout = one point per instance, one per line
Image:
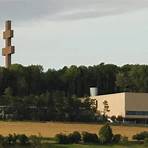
(9, 49)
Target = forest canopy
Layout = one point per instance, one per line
(74, 80)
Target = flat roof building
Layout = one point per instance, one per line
(128, 105)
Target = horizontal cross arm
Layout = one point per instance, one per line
(8, 50)
(8, 34)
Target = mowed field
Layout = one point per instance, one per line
(50, 129)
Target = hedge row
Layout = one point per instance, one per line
(141, 136)
(21, 139)
(105, 136)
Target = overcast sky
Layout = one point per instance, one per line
(55, 33)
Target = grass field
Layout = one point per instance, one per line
(95, 146)
(50, 129)
(81, 146)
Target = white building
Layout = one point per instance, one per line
(127, 105)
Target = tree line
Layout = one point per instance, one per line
(32, 93)
(32, 80)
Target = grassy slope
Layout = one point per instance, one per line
(81, 146)
(94, 146)
(91, 146)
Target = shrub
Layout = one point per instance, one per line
(124, 140)
(116, 138)
(89, 137)
(1, 139)
(62, 139)
(10, 139)
(35, 141)
(74, 137)
(105, 134)
(141, 136)
(23, 139)
(146, 141)
(119, 118)
(113, 118)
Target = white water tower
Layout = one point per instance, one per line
(93, 91)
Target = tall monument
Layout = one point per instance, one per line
(8, 50)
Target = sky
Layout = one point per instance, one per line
(57, 33)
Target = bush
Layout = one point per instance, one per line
(1, 139)
(124, 140)
(141, 136)
(113, 118)
(105, 134)
(35, 141)
(116, 138)
(119, 118)
(62, 139)
(10, 139)
(74, 137)
(23, 139)
(89, 137)
(1, 142)
(146, 141)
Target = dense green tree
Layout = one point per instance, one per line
(105, 134)
(133, 78)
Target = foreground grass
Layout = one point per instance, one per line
(96, 146)
(80, 146)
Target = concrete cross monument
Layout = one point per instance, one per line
(8, 50)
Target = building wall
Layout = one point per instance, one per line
(127, 105)
(116, 104)
(135, 104)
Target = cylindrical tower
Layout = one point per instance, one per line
(93, 91)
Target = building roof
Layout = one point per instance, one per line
(138, 93)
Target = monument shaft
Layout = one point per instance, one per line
(8, 50)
